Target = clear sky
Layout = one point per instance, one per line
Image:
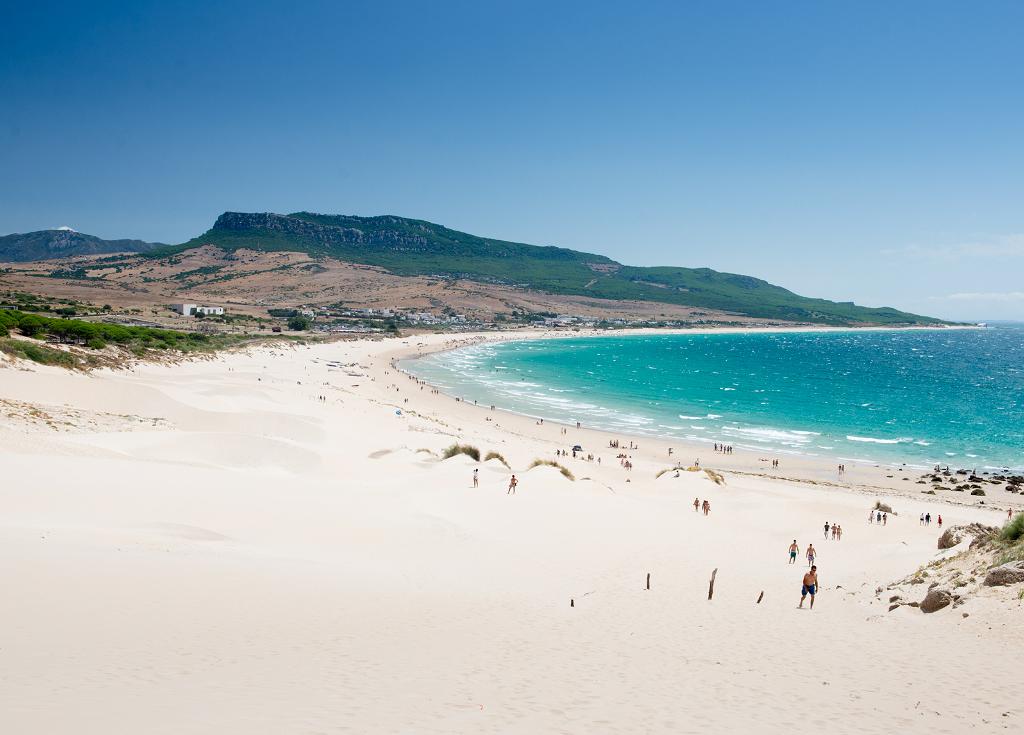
(855, 151)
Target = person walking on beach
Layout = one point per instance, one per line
(940, 521)
(811, 553)
(826, 530)
(885, 519)
(809, 586)
(793, 551)
(871, 516)
(512, 485)
(476, 478)
(696, 504)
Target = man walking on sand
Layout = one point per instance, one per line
(476, 478)
(793, 551)
(809, 587)
(811, 553)
(512, 485)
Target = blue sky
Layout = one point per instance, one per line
(856, 151)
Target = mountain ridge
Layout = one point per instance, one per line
(417, 247)
(63, 242)
(411, 247)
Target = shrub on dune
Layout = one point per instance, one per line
(1014, 530)
(716, 477)
(495, 455)
(564, 470)
(468, 449)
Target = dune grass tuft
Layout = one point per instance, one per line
(468, 449)
(496, 455)
(551, 463)
(1014, 530)
(716, 477)
(677, 468)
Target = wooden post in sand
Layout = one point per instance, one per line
(648, 580)
(711, 587)
(760, 597)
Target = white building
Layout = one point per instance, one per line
(193, 309)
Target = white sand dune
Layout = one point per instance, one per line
(276, 564)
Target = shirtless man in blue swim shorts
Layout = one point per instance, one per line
(810, 586)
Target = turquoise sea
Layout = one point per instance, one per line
(923, 397)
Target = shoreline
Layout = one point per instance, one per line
(277, 530)
(871, 476)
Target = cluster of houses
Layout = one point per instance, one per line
(407, 316)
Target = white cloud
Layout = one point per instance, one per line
(1003, 246)
(990, 296)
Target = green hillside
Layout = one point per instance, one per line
(414, 247)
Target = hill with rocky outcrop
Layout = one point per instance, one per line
(408, 247)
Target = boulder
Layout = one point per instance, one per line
(1011, 573)
(936, 599)
(977, 491)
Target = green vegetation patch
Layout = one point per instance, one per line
(39, 353)
(97, 335)
(1014, 530)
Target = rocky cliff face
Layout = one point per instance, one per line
(326, 235)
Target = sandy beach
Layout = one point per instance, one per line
(269, 542)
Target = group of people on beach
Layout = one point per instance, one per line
(577, 454)
(926, 519)
(616, 444)
(698, 505)
(878, 516)
(794, 551)
(723, 448)
(835, 529)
